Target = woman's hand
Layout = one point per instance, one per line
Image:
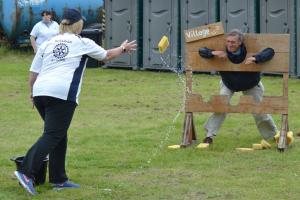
(32, 79)
(31, 100)
(128, 47)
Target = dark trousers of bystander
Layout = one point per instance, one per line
(57, 115)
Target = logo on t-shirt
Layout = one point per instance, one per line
(60, 51)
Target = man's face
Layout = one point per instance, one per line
(233, 43)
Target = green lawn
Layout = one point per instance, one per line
(120, 132)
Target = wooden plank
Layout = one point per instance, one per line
(202, 32)
(189, 131)
(285, 85)
(282, 143)
(189, 81)
(279, 63)
(219, 103)
(253, 42)
(217, 42)
(257, 42)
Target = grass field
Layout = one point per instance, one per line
(120, 132)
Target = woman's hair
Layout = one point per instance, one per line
(236, 32)
(64, 26)
(47, 12)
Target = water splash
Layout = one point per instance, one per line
(178, 70)
(171, 128)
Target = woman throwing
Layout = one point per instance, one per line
(55, 81)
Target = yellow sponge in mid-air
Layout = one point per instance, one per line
(163, 44)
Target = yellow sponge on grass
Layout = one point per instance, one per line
(257, 146)
(244, 149)
(203, 146)
(276, 137)
(265, 144)
(289, 137)
(176, 146)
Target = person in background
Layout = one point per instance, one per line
(247, 82)
(43, 30)
(55, 80)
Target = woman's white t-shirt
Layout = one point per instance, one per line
(60, 63)
(44, 32)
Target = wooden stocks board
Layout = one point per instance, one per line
(212, 36)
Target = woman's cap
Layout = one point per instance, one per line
(73, 15)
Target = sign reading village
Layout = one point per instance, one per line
(202, 32)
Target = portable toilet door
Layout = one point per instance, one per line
(196, 13)
(160, 18)
(298, 38)
(121, 24)
(276, 16)
(239, 14)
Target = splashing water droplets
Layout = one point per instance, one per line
(181, 79)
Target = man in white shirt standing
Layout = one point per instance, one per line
(43, 30)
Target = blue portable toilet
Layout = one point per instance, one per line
(279, 17)
(18, 17)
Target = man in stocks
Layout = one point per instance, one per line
(248, 83)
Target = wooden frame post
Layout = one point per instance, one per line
(189, 131)
(282, 143)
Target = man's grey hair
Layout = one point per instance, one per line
(236, 32)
